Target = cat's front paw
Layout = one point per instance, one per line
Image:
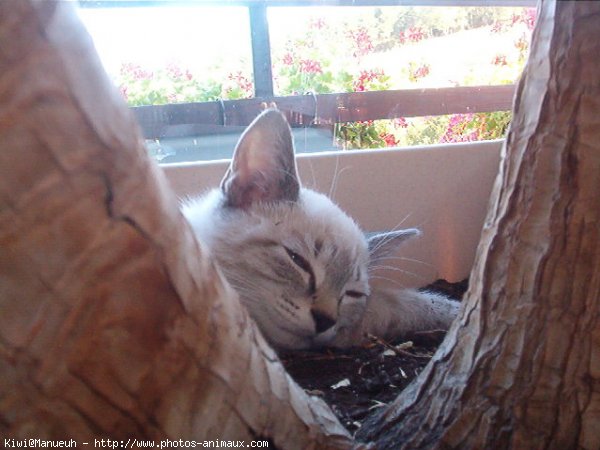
(393, 313)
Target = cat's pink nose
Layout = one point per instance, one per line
(323, 322)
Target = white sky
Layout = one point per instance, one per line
(197, 37)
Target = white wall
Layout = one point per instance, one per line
(442, 189)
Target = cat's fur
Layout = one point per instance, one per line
(299, 264)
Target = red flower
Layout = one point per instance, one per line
(499, 60)
(522, 43)
(420, 72)
(390, 139)
(366, 76)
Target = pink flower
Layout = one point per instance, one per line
(240, 81)
(362, 41)
(402, 37)
(527, 17)
(416, 34)
(400, 122)
(288, 59)
(310, 66)
(497, 27)
(174, 71)
(317, 23)
(135, 71)
(457, 130)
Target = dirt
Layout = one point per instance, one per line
(357, 381)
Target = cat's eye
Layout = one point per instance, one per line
(355, 294)
(305, 266)
(298, 260)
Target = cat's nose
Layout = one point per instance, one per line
(323, 322)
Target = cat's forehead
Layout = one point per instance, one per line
(327, 225)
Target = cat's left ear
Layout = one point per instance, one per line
(384, 244)
(263, 168)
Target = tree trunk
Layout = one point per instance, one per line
(114, 324)
(521, 367)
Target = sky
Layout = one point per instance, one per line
(195, 37)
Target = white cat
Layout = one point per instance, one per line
(300, 264)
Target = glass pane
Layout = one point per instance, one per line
(353, 49)
(159, 55)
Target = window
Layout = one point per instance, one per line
(346, 76)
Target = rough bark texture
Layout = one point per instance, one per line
(113, 322)
(521, 367)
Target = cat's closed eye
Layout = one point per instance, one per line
(355, 294)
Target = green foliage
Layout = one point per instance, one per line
(176, 85)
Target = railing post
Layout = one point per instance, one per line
(261, 51)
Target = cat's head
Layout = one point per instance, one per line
(299, 263)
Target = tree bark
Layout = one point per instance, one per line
(114, 323)
(521, 367)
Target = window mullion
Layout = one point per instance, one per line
(261, 51)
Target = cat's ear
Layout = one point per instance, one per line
(384, 244)
(263, 168)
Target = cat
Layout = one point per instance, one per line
(299, 264)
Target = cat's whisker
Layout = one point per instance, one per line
(312, 172)
(336, 177)
(390, 280)
(386, 240)
(401, 258)
(396, 269)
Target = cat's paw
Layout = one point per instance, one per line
(393, 313)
